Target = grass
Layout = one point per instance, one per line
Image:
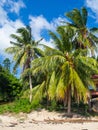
(23, 105)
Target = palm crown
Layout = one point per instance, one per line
(24, 50)
(85, 37)
(69, 74)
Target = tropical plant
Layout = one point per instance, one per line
(24, 50)
(65, 40)
(69, 76)
(85, 36)
(7, 63)
(10, 87)
(68, 71)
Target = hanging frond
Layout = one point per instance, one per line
(17, 38)
(39, 52)
(38, 91)
(16, 44)
(61, 89)
(57, 41)
(80, 87)
(12, 50)
(52, 86)
(48, 62)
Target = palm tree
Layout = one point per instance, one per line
(68, 75)
(69, 72)
(64, 41)
(7, 63)
(24, 50)
(85, 36)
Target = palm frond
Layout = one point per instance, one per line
(57, 41)
(84, 15)
(52, 86)
(17, 38)
(38, 92)
(80, 87)
(61, 89)
(16, 44)
(47, 62)
(12, 50)
(94, 38)
(39, 52)
(94, 30)
(17, 59)
(76, 18)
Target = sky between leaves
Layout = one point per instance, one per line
(41, 15)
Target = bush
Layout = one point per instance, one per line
(10, 86)
(21, 105)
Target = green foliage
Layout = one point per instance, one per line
(7, 64)
(63, 39)
(81, 108)
(21, 105)
(66, 69)
(57, 74)
(10, 86)
(84, 37)
(24, 48)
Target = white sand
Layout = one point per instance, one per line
(44, 120)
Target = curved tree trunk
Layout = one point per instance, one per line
(30, 82)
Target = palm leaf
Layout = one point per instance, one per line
(57, 41)
(84, 15)
(17, 38)
(94, 30)
(38, 92)
(52, 86)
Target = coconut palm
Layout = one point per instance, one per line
(63, 39)
(69, 72)
(85, 36)
(68, 75)
(24, 50)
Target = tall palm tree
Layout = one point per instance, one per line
(24, 50)
(85, 36)
(68, 75)
(63, 39)
(69, 72)
(7, 64)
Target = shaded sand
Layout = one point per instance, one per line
(44, 120)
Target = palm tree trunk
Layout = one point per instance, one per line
(30, 82)
(69, 101)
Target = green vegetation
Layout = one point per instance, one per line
(53, 78)
(10, 87)
(7, 64)
(24, 50)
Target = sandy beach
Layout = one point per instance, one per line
(44, 120)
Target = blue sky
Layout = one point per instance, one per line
(41, 15)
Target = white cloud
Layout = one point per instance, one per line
(12, 6)
(16, 6)
(39, 23)
(3, 16)
(9, 28)
(93, 5)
